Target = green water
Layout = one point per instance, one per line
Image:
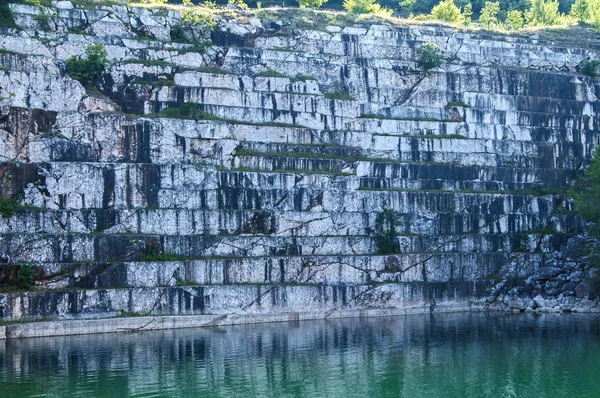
(417, 356)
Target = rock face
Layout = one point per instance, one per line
(311, 154)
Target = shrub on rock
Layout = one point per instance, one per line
(89, 70)
(429, 56)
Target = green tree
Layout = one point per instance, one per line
(467, 13)
(447, 11)
(7, 207)
(589, 67)
(587, 11)
(89, 70)
(365, 7)
(314, 4)
(580, 9)
(543, 13)
(242, 4)
(406, 6)
(26, 277)
(6, 17)
(489, 14)
(514, 20)
(386, 237)
(429, 56)
(519, 5)
(594, 11)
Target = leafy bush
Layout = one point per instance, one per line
(196, 16)
(365, 7)
(314, 4)
(239, 3)
(406, 6)
(194, 26)
(269, 73)
(6, 17)
(595, 16)
(587, 11)
(302, 78)
(514, 20)
(37, 3)
(7, 207)
(467, 13)
(188, 110)
(590, 67)
(580, 9)
(161, 257)
(339, 95)
(43, 20)
(208, 4)
(429, 56)
(457, 103)
(89, 70)
(490, 10)
(26, 277)
(543, 13)
(385, 232)
(447, 11)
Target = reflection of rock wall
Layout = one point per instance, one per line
(366, 357)
(279, 188)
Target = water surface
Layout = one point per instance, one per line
(415, 356)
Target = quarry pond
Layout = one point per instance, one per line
(449, 355)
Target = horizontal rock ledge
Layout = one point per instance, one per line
(147, 323)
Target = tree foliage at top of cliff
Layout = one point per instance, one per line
(587, 11)
(365, 7)
(489, 14)
(405, 7)
(447, 11)
(314, 4)
(543, 13)
(89, 70)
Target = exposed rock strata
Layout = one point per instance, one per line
(271, 206)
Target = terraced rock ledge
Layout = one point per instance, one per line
(257, 171)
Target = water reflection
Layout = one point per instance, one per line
(447, 355)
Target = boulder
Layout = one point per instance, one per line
(539, 301)
(583, 290)
(516, 303)
(569, 288)
(544, 273)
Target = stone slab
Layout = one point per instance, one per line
(147, 323)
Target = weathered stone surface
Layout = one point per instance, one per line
(539, 301)
(271, 202)
(516, 303)
(583, 290)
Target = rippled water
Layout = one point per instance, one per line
(415, 356)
